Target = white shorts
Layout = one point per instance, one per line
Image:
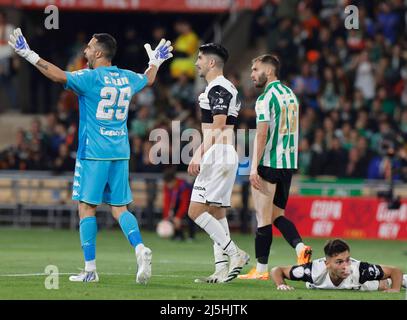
(214, 184)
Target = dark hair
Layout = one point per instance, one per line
(216, 49)
(169, 173)
(335, 247)
(107, 43)
(270, 59)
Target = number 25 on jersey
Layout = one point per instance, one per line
(112, 97)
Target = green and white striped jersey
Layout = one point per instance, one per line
(278, 106)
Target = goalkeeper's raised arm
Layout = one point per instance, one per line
(18, 42)
(20, 46)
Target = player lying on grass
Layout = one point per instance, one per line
(339, 271)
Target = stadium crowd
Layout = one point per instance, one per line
(351, 84)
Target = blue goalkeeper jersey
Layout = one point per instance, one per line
(104, 97)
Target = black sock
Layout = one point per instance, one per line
(263, 240)
(289, 231)
(178, 234)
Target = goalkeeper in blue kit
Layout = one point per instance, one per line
(102, 163)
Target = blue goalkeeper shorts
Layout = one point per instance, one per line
(102, 181)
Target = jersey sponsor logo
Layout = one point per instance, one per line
(199, 188)
(220, 107)
(112, 133)
(80, 72)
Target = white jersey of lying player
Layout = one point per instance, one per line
(218, 167)
(364, 276)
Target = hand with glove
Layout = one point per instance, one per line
(161, 53)
(20, 46)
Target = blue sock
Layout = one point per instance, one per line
(128, 223)
(87, 231)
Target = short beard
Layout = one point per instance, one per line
(262, 81)
(201, 74)
(89, 63)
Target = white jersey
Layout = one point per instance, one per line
(364, 276)
(220, 97)
(214, 183)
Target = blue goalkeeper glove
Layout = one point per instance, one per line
(20, 46)
(161, 53)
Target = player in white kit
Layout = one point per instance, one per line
(339, 271)
(215, 163)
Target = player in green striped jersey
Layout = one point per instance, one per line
(274, 160)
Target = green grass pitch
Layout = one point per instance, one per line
(24, 255)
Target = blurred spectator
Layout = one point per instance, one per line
(305, 157)
(136, 157)
(317, 154)
(17, 155)
(36, 133)
(306, 85)
(58, 137)
(176, 198)
(364, 80)
(365, 153)
(379, 138)
(182, 92)
(388, 21)
(77, 59)
(185, 49)
(336, 159)
(37, 158)
(132, 53)
(142, 124)
(265, 20)
(64, 162)
(329, 99)
(354, 167)
(40, 91)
